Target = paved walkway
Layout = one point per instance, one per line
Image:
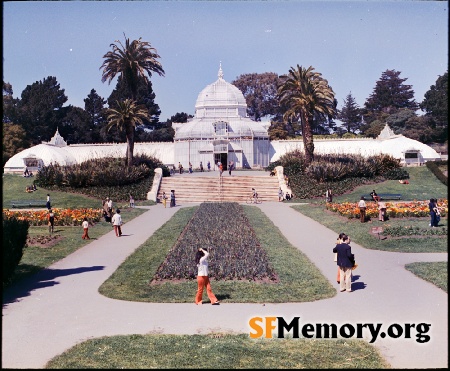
(60, 306)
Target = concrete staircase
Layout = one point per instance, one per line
(236, 188)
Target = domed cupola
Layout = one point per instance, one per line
(220, 99)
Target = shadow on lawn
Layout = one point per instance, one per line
(42, 279)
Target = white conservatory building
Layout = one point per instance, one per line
(220, 131)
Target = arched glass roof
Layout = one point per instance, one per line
(220, 99)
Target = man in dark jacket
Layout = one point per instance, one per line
(345, 261)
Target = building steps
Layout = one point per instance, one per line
(198, 189)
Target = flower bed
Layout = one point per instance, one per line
(236, 253)
(63, 217)
(409, 230)
(394, 209)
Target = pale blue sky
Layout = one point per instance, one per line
(350, 42)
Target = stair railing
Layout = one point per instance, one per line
(220, 188)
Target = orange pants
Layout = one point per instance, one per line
(85, 234)
(203, 281)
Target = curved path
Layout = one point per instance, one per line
(60, 306)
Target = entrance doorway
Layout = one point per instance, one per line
(222, 158)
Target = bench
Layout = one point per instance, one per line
(384, 196)
(28, 203)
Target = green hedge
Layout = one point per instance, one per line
(15, 234)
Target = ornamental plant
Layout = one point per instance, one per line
(393, 210)
(235, 252)
(399, 231)
(63, 217)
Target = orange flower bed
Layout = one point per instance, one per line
(63, 217)
(393, 209)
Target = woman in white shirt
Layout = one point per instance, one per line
(201, 259)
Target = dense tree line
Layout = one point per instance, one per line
(286, 101)
(392, 101)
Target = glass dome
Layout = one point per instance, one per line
(220, 99)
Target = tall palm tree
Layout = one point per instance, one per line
(304, 92)
(126, 116)
(132, 61)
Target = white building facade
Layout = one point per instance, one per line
(222, 132)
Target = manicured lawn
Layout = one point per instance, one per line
(360, 232)
(300, 280)
(434, 272)
(131, 282)
(218, 351)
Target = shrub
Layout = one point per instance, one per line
(342, 172)
(349, 135)
(396, 174)
(103, 177)
(15, 234)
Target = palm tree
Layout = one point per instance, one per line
(304, 93)
(131, 62)
(126, 117)
(134, 61)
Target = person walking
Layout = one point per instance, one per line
(49, 206)
(362, 209)
(338, 241)
(131, 201)
(329, 195)
(109, 208)
(180, 167)
(433, 208)
(381, 211)
(230, 167)
(345, 261)
(51, 221)
(190, 168)
(201, 167)
(280, 195)
(117, 223)
(208, 165)
(85, 226)
(106, 211)
(201, 259)
(164, 199)
(220, 168)
(172, 198)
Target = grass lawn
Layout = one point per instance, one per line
(360, 232)
(434, 272)
(130, 282)
(300, 280)
(423, 186)
(218, 351)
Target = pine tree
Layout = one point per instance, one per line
(389, 95)
(350, 114)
